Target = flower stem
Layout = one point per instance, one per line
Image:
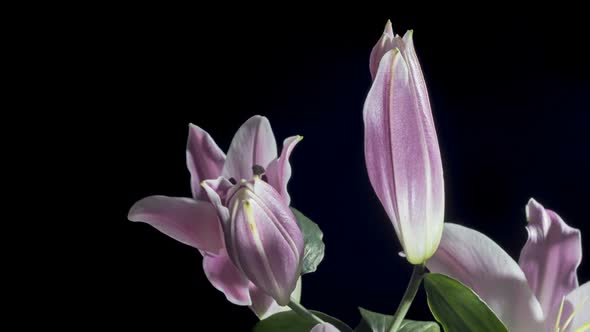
(301, 311)
(404, 305)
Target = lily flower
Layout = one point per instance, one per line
(401, 147)
(540, 292)
(194, 221)
(262, 236)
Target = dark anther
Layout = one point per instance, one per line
(258, 170)
(264, 178)
(233, 181)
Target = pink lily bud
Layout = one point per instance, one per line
(262, 236)
(402, 153)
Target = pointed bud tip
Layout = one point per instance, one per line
(388, 28)
(532, 202)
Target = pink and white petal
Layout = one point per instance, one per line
(278, 171)
(204, 158)
(253, 144)
(191, 222)
(550, 257)
(479, 263)
(225, 277)
(578, 299)
(411, 57)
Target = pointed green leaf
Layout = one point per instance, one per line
(376, 322)
(457, 308)
(289, 321)
(314, 246)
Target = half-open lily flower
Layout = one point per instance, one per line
(262, 236)
(194, 221)
(401, 149)
(540, 292)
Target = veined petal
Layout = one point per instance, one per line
(253, 144)
(411, 57)
(578, 299)
(550, 257)
(191, 222)
(479, 263)
(203, 157)
(264, 240)
(279, 170)
(403, 158)
(225, 277)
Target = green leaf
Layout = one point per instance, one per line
(376, 322)
(457, 308)
(289, 321)
(314, 246)
(416, 326)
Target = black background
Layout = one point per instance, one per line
(510, 95)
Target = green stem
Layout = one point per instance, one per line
(301, 311)
(409, 295)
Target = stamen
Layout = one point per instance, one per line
(583, 327)
(559, 315)
(569, 320)
(233, 181)
(258, 170)
(250, 216)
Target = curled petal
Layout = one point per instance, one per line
(191, 222)
(550, 257)
(253, 144)
(216, 191)
(225, 277)
(279, 170)
(203, 157)
(479, 263)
